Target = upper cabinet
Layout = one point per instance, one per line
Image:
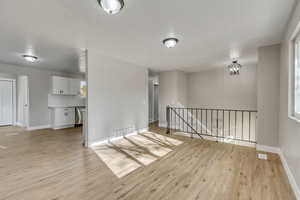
(65, 86)
(60, 85)
(74, 87)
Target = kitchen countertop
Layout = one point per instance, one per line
(61, 106)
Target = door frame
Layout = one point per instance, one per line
(14, 99)
(25, 122)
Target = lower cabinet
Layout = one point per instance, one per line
(62, 117)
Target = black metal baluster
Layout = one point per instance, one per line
(201, 120)
(175, 119)
(223, 123)
(180, 119)
(235, 125)
(197, 119)
(191, 118)
(249, 126)
(168, 119)
(211, 122)
(183, 128)
(171, 121)
(187, 130)
(242, 125)
(217, 124)
(206, 120)
(187, 119)
(229, 121)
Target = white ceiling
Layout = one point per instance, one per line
(208, 30)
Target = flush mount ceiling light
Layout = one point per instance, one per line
(30, 58)
(170, 42)
(234, 67)
(111, 6)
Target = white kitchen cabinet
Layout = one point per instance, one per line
(74, 87)
(60, 85)
(65, 86)
(62, 117)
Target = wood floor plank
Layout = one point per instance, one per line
(49, 164)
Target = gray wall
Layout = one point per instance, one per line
(153, 98)
(117, 97)
(289, 130)
(39, 87)
(268, 95)
(217, 89)
(182, 88)
(172, 91)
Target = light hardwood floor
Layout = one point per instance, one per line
(47, 164)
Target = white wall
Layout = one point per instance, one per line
(39, 87)
(268, 95)
(289, 130)
(182, 88)
(172, 92)
(217, 89)
(117, 97)
(65, 100)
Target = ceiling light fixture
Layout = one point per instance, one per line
(234, 67)
(170, 42)
(111, 6)
(30, 58)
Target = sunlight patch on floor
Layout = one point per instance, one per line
(127, 154)
(228, 139)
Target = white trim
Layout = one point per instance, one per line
(62, 127)
(117, 138)
(292, 40)
(14, 99)
(19, 124)
(162, 125)
(269, 149)
(32, 128)
(152, 121)
(288, 171)
(295, 119)
(290, 175)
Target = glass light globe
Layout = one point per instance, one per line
(170, 42)
(111, 6)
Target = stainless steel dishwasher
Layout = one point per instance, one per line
(79, 112)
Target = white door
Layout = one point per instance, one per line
(6, 102)
(23, 101)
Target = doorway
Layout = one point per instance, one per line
(23, 101)
(153, 90)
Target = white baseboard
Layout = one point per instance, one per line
(288, 171)
(32, 128)
(162, 125)
(19, 124)
(269, 149)
(152, 121)
(117, 138)
(290, 176)
(62, 127)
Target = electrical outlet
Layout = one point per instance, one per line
(262, 156)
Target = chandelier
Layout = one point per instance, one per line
(234, 68)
